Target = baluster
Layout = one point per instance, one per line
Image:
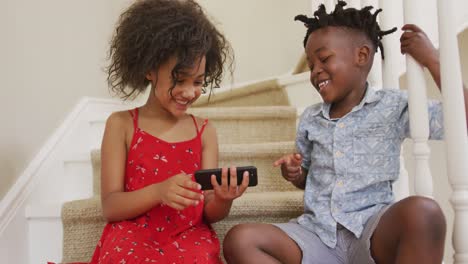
(329, 4)
(375, 75)
(455, 127)
(353, 3)
(418, 109)
(313, 6)
(389, 18)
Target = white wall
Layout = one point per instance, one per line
(52, 53)
(266, 39)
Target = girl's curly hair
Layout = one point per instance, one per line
(150, 32)
(362, 20)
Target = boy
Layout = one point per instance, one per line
(349, 149)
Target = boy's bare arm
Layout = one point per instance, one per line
(434, 69)
(416, 43)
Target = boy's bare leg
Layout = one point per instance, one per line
(260, 243)
(410, 231)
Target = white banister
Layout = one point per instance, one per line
(353, 3)
(455, 127)
(417, 102)
(391, 43)
(375, 75)
(313, 6)
(329, 4)
(391, 74)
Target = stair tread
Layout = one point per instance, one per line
(245, 90)
(260, 202)
(254, 148)
(273, 148)
(284, 111)
(246, 112)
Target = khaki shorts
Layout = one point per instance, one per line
(348, 250)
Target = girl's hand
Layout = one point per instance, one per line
(225, 192)
(290, 166)
(179, 192)
(416, 43)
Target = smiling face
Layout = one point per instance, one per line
(175, 100)
(339, 63)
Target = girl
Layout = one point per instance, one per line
(156, 212)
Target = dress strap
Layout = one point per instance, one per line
(199, 131)
(134, 114)
(205, 122)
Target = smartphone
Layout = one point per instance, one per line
(203, 177)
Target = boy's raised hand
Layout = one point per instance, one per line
(416, 43)
(290, 166)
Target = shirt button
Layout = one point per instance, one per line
(338, 154)
(341, 125)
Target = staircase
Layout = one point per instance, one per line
(255, 126)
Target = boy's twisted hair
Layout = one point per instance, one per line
(150, 32)
(362, 20)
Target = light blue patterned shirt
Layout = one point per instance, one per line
(352, 161)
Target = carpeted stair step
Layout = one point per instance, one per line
(263, 93)
(268, 207)
(261, 155)
(83, 222)
(251, 124)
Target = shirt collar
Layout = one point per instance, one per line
(370, 96)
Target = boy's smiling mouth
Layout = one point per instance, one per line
(322, 84)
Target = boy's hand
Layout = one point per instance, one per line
(416, 43)
(290, 166)
(179, 192)
(225, 192)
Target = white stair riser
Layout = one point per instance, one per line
(75, 182)
(45, 239)
(78, 180)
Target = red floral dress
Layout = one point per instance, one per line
(163, 234)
